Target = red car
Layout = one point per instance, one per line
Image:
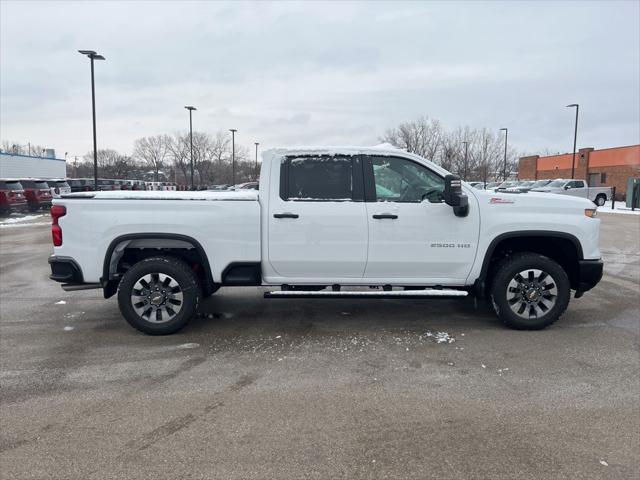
(12, 197)
(37, 193)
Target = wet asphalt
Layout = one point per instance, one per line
(321, 389)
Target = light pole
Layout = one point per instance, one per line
(191, 109)
(256, 169)
(466, 151)
(233, 155)
(575, 138)
(93, 56)
(504, 167)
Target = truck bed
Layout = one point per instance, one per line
(226, 225)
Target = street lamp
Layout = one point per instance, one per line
(256, 169)
(191, 109)
(93, 56)
(233, 155)
(575, 138)
(504, 167)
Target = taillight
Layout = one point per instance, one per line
(57, 211)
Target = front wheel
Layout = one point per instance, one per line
(530, 291)
(159, 295)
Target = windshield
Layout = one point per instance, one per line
(541, 183)
(526, 184)
(557, 183)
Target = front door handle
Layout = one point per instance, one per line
(285, 215)
(380, 216)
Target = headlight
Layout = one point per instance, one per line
(590, 212)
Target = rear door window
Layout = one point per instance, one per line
(318, 178)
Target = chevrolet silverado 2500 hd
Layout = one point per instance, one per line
(325, 223)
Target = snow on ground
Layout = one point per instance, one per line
(621, 207)
(439, 337)
(20, 219)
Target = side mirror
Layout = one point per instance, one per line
(454, 197)
(567, 187)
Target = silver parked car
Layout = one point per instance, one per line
(577, 188)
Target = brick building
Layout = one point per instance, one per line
(609, 167)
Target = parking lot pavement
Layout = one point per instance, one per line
(257, 388)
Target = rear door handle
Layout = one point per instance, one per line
(285, 215)
(380, 216)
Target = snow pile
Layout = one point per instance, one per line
(20, 225)
(621, 207)
(22, 221)
(25, 218)
(439, 337)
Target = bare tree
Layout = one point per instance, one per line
(22, 149)
(422, 137)
(153, 151)
(179, 151)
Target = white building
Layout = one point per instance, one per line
(14, 165)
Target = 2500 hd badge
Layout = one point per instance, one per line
(450, 245)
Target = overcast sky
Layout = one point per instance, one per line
(319, 73)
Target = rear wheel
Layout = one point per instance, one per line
(600, 199)
(530, 291)
(159, 295)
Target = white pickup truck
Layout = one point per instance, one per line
(577, 188)
(373, 222)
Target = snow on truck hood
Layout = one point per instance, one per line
(237, 195)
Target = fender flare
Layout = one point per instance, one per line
(479, 284)
(107, 279)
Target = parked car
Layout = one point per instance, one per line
(247, 186)
(37, 193)
(81, 184)
(475, 184)
(12, 197)
(324, 221)
(223, 186)
(577, 188)
(521, 186)
(540, 184)
(492, 185)
(58, 187)
(505, 185)
(106, 184)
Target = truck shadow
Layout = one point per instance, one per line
(230, 312)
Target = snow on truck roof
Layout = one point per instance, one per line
(385, 149)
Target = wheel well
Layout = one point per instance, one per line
(566, 251)
(124, 252)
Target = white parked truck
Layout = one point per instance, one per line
(577, 188)
(329, 223)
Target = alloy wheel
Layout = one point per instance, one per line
(532, 293)
(156, 298)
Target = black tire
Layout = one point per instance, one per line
(600, 199)
(182, 299)
(536, 302)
